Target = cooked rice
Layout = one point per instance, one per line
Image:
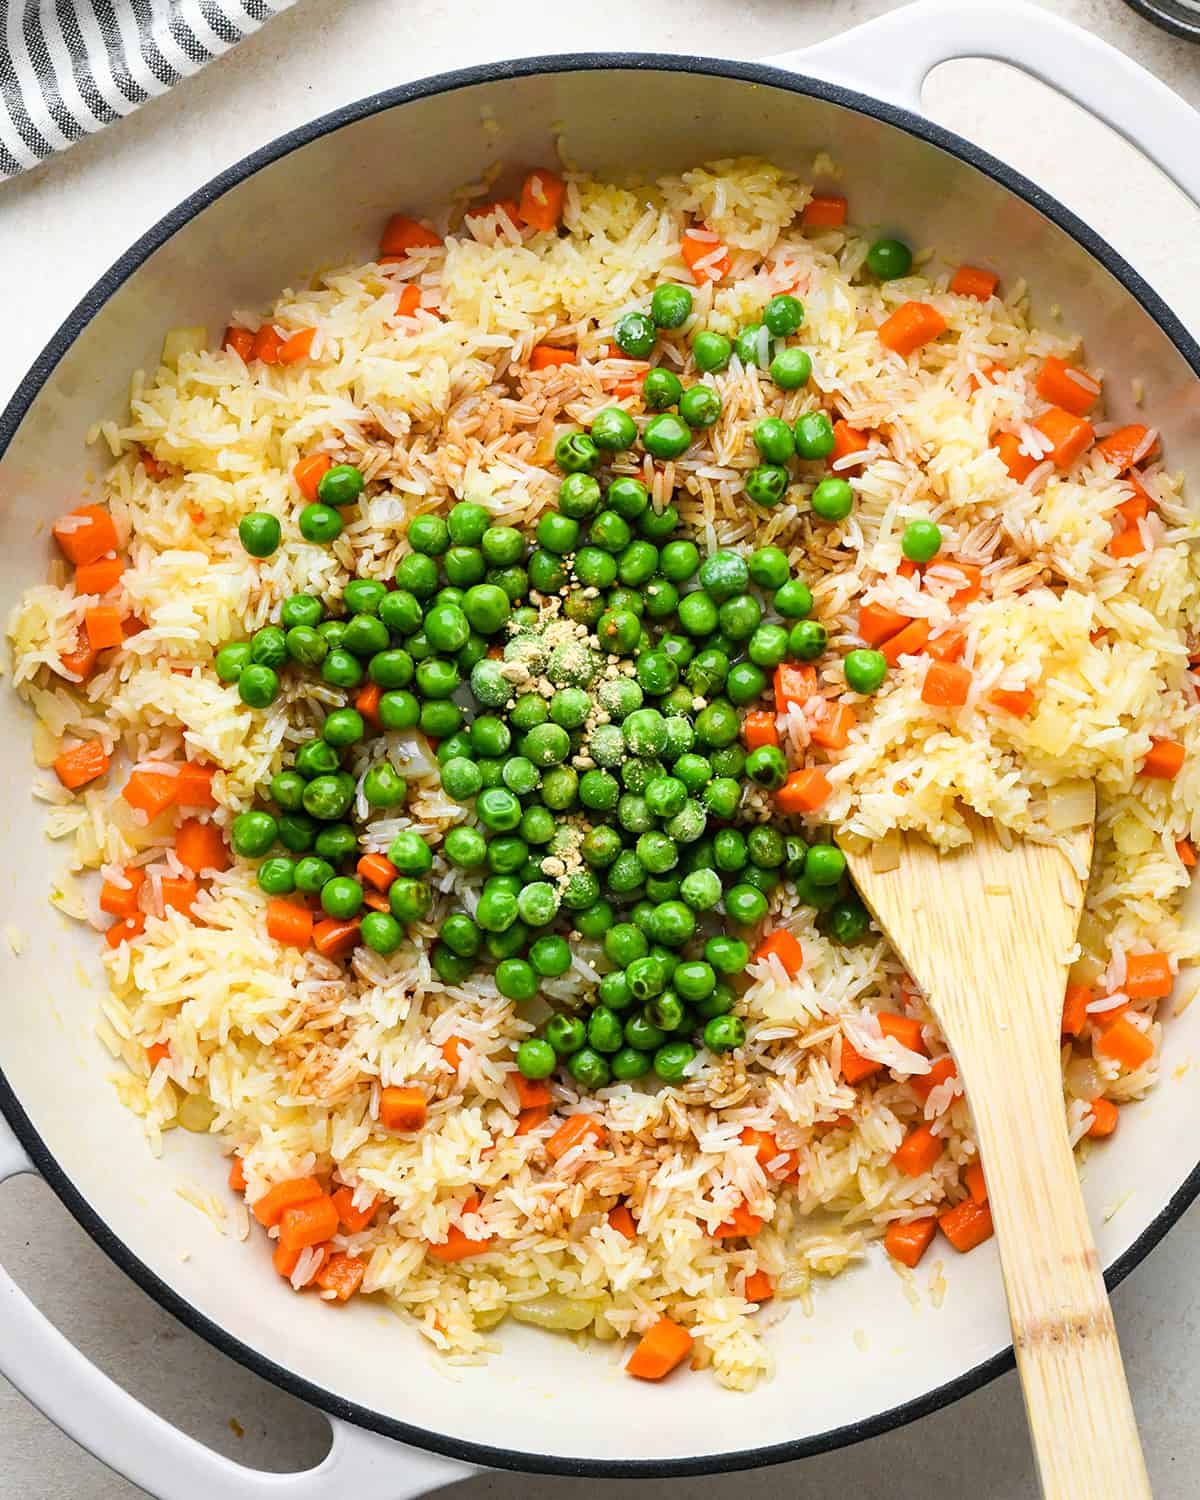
(291, 1049)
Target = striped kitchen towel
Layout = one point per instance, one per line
(70, 67)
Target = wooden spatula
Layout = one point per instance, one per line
(985, 931)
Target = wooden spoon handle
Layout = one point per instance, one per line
(1080, 1415)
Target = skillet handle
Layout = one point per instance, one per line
(128, 1437)
(891, 57)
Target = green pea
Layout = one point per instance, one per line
(865, 670)
(783, 315)
(794, 599)
(341, 669)
(767, 484)
(336, 843)
(258, 686)
(791, 369)
(320, 523)
(325, 797)
(277, 876)
(628, 1063)
(768, 646)
(724, 1033)
(739, 617)
(429, 534)
(546, 745)
(342, 897)
(409, 900)
(297, 831)
(642, 1034)
(537, 826)
(232, 660)
(773, 439)
(825, 865)
(626, 873)
(400, 611)
(383, 786)
(700, 889)
(746, 683)
(729, 850)
(635, 335)
(419, 575)
(600, 847)
(528, 712)
(550, 956)
(259, 533)
(667, 1011)
(922, 541)
(727, 955)
(661, 389)
(464, 566)
(535, 1058)
(604, 1031)
(579, 495)
(888, 259)
(666, 436)
(566, 1034)
(728, 760)
(679, 561)
(717, 724)
(364, 595)
(814, 435)
(711, 351)
(344, 726)
(341, 485)
(807, 639)
(753, 346)
(848, 921)
(461, 779)
(765, 846)
(447, 627)
(671, 305)
(833, 499)
(437, 678)
(465, 848)
(745, 905)
(305, 646)
(588, 1068)
(595, 920)
(658, 525)
(767, 767)
(398, 710)
(332, 632)
(698, 613)
(466, 523)
(700, 406)
(613, 430)
(674, 923)
(671, 1061)
(381, 932)
(448, 966)
(311, 874)
(498, 809)
(693, 770)
(300, 609)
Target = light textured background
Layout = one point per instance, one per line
(61, 226)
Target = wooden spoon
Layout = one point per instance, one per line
(985, 931)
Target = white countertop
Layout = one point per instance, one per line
(63, 224)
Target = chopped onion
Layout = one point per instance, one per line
(1070, 804)
(555, 1312)
(885, 853)
(179, 341)
(851, 842)
(1083, 1078)
(197, 1113)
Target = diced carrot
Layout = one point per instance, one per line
(309, 1223)
(1075, 1008)
(99, 576)
(907, 642)
(1133, 510)
(940, 1070)
(531, 1093)
(456, 1245)
(947, 647)
(975, 1182)
(237, 1175)
(1125, 1044)
(804, 791)
(81, 764)
(908, 568)
(1147, 976)
(970, 281)
(267, 345)
(377, 870)
(297, 346)
(1063, 385)
(239, 341)
(367, 702)
(1104, 1118)
(269, 1209)
(758, 728)
(847, 440)
(966, 1225)
(757, 1287)
(542, 195)
(907, 1243)
(707, 260)
(910, 327)
(972, 582)
(766, 1150)
(81, 661)
(122, 900)
(376, 901)
(409, 300)
(623, 1221)
(547, 357)
(194, 785)
(508, 208)
(946, 685)
(342, 1275)
(794, 683)
(659, 1350)
(334, 938)
(877, 624)
(1070, 436)
(918, 1151)
(903, 1029)
(989, 373)
(824, 211)
(1186, 851)
(401, 234)
(832, 725)
(201, 846)
(159, 1052)
(1120, 447)
(289, 923)
(452, 1050)
(1164, 760)
(782, 945)
(150, 792)
(353, 1220)
(126, 931)
(85, 534)
(856, 1067)
(575, 1130)
(1127, 543)
(309, 472)
(1019, 465)
(402, 1109)
(286, 1259)
(179, 893)
(1015, 701)
(529, 1120)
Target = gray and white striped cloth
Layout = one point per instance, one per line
(70, 67)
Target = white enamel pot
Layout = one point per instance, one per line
(403, 1425)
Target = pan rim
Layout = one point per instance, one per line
(765, 75)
